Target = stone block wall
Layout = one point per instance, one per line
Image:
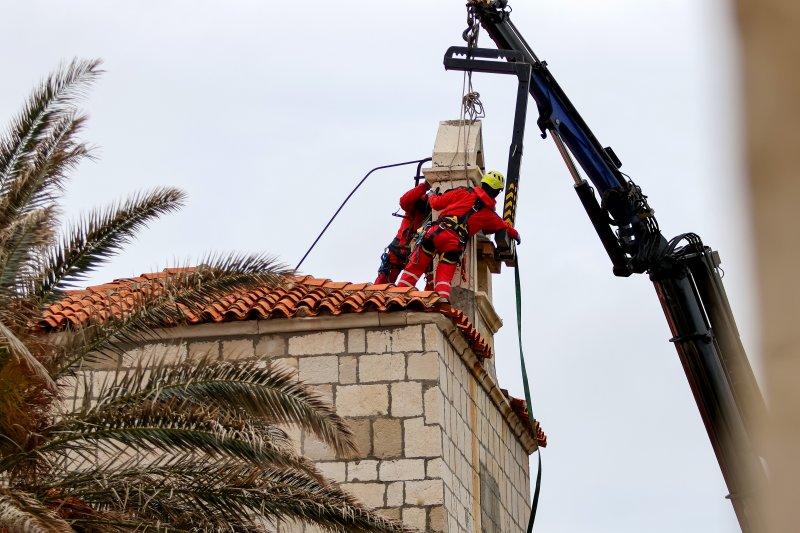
(439, 447)
(488, 488)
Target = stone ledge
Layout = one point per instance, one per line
(488, 312)
(277, 325)
(216, 329)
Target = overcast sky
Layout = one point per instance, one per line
(267, 113)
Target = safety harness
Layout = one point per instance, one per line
(458, 224)
(402, 247)
(398, 250)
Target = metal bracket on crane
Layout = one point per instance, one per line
(480, 60)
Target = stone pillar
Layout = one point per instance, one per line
(457, 161)
(457, 155)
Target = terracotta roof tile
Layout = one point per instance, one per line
(520, 408)
(301, 296)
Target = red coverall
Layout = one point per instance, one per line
(414, 204)
(442, 239)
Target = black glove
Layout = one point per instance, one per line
(518, 239)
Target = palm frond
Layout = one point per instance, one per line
(48, 102)
(249, 389)
(20, 247)
(22, 355)
(80, 468)
(228, 496)
(99, 236)
(292, 496)
(167, 427)
(22, 512)
(133, 317)
(85, 518)
(40, 182)
(198, 446)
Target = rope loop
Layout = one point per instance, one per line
(473, 107)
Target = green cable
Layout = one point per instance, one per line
(535, 502)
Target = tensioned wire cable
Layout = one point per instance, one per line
(321, 233)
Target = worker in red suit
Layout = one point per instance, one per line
(414, 203)
(464, 212)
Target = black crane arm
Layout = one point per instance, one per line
(684, 271)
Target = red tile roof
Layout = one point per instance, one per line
(300, 297)
(520, 408)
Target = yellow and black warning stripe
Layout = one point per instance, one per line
(510, 206)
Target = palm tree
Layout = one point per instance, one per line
(191, 447)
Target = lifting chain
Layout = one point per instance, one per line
(471, 103)
(470, 35)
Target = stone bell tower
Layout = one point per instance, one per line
(457, 161)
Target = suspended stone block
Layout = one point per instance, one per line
(457, 155)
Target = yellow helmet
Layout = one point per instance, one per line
(493, 179)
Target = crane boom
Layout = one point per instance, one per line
(684, 271)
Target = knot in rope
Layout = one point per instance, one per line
(473, 107)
